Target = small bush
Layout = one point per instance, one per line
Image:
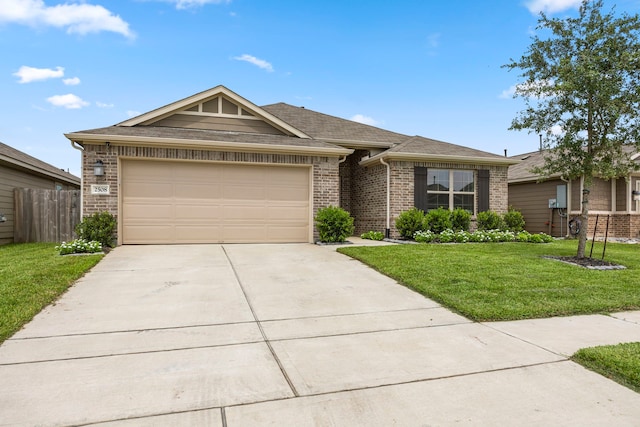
(409, 222)
(372, 235)
(98, 227)
(489, 220)
(334, 224)
(460, 219)
(79, 246)
(424, 236)
(513, 220)
(437, 220)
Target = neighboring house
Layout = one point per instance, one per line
(549, 205)
(19, 170)
(215, 167)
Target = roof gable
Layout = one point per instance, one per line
(208, 109)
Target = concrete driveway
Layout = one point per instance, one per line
(279, 335)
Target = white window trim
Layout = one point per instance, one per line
(451, 191)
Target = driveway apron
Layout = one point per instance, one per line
(237, 335)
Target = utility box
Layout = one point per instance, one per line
(561, 197)
(553, 203)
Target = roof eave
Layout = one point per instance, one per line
(498, 161)
(246, 147)
(26, 166)
(359, 144)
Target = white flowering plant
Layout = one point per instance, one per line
(79, 246)
(480, 236)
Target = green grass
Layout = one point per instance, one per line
(32, 275)
(510, 281)
(620, 363)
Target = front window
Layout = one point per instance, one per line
(450, 189)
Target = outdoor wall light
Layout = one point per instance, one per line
(3, 218)
(98, 168)
(635, 194)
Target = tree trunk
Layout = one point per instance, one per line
(584, 219)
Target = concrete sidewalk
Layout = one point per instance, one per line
(259, 335)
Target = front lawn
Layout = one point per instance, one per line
(510, 281)
(620, 363)
(32, 276)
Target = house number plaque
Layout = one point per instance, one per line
(99, 189)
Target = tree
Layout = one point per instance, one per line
(582, 93)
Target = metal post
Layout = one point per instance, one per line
(593, 240)
(606, 236)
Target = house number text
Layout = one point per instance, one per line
(99, 189)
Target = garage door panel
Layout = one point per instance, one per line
(195, 212)
(197, 191)
(149, 211)
(190, 202)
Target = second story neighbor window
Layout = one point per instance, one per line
(450, 189)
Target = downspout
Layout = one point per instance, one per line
(80, 148)
(387, 231)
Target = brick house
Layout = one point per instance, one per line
(549, 205)
(214, 167)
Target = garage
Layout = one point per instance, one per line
(173, 202)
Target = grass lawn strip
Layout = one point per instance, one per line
(509, 281)
(33, 276)
(620, 363)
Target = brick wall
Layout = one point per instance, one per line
(325, 171)
(402, 186)
(366, 194)
(620, 225)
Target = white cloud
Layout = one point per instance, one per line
(31, 74)
(104, 105)
(133, 113)
(551, 6)
(80, 18)
(69, 101)
(261, 63)
(73, 81)
(186, 4)
(433, 40)
(366, 120)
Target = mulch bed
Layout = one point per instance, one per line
(591, 263)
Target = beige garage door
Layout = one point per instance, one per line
(193, 202)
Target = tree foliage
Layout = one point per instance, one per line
(581, 90)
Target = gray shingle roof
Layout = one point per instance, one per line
(205, 135)
(522, 171)
(324, 126)
(24, 161)
(422, 145)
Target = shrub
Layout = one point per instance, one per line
(437, 220)
(98, 227)
(513, 220)
(460, 219)
(373, 235)
(409, 222)
(489, 220)
(79, 246)
(334, 224)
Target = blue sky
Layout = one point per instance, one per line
(421, 67)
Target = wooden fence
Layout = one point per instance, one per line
(45, 215)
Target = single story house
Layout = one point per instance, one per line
(549, 205)
(214, 167)
(20, 170)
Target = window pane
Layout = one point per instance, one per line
(464, 201)
(463, 181)
(210, 106)
(437, 180)
(435, 201)
(229, 107)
